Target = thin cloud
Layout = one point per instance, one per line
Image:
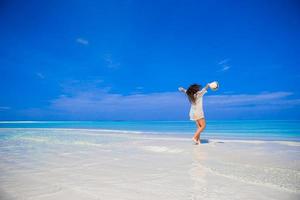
(225, 68)
(117, 106)
(225, 61)
(268, 98)
(75, 86)
(40, 75)
(110, 63)
(137, 90)
(3, 108)
(82, 41)
(224, 65)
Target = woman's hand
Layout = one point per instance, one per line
(181, 89)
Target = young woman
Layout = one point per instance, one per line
(195, 95)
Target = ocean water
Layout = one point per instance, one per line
(243, 129)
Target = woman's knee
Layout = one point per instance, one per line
(202, 123)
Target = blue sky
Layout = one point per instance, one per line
(124, 60)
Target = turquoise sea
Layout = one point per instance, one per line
(287, 130)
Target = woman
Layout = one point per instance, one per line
(195, 95)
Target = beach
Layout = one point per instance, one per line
(106, 100)
(65, 163)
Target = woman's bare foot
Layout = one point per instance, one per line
(196, 141)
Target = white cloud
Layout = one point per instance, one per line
(237, 100)
(166, 105)
(224, 65)
(225, 61)
(40, 75)
(117, 106)
(82, 41)
(225, 68)
(87, 100)
(99, 100)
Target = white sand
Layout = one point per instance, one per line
(83, 164)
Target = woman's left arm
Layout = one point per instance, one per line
(207, 86)
(203, 90)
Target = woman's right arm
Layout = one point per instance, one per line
(181, 89)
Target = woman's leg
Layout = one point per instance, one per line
(201, 124)
(195, 139)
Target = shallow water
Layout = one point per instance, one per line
(242, 129)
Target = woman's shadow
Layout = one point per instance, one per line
(206, 141)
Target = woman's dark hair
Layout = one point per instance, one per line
(191, 91)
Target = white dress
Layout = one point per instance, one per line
(196, 111)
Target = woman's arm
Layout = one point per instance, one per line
(203, 90)
(181, 89)
(207, 86)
